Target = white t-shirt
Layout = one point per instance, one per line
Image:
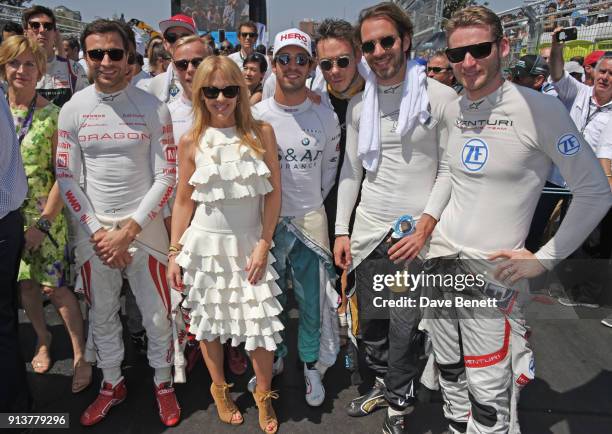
(62, 79)
(589, 118)
(122, 143)
(500, 150)
(238, 59)
(181, 111)
(166, 86)
(308, 137)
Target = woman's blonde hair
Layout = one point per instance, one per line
(15, 46)
(249, 130)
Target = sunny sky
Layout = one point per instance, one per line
(282, 13)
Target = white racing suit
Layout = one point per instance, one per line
(482, 354)
(101, 286)
(122, 145)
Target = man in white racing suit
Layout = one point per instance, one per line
(120, 139)
(490, 178)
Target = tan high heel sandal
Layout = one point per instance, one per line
(267, 416)
(226, 408)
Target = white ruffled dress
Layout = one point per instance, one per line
(230, 181)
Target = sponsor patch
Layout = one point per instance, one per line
(568, 145)
(475, 154)
(62, 160)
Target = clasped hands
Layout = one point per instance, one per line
(112, 246)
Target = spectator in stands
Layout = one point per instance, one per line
(578, 59)
(10, 29)
(166, 86)
(63, 77)
(71, 48)
(159, 60)
(589, 65)
(438, 68)
(590, 109)
(574, 69)
(253, 70)
(545, 53)
(209, 39)
(532, 71)
(226, 48)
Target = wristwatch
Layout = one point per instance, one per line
(43, 225)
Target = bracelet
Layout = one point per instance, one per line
(609, 176)
(172, 254)
(173, 249)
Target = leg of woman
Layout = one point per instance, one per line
(213, 356)
(68, 307)
(262, 364)
(32, 302)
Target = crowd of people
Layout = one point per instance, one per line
(207, 186)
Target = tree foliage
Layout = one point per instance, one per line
(450, 6)
(15, 2)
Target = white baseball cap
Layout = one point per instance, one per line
(292, 37)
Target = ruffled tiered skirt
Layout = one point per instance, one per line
(222, 302)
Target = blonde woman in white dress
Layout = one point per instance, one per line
(228, 167)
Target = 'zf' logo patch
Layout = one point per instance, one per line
(475, 154)
(568, 144)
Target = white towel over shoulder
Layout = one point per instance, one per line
(414, 106)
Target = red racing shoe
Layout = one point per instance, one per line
(169, 409)
(109, 397)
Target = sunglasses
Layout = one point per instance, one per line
(183, 64)
(300, 59)
(248, 34)
(328, 64)
(211, 92)
(173, 37)
(477, 51)
(387, 42)
(115, 54)
(437, 69)
(35, 25)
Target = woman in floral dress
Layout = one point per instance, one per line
(43, 265)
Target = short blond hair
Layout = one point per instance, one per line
(15, 46)
(188, 40)
(475, 16)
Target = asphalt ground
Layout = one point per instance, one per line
(572, 392)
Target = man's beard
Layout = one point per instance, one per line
(396, 65)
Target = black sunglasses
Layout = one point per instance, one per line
(387, 42)
(437, 69)
(212, 92)
(300, 59)
(173, 37)
(248, 34)
(477, 51)
(183, 64)
(35, 25)
(115, 54)
(341, 62)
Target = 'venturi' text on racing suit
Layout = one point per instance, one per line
(500, 150)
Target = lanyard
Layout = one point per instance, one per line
(27, 122)
(590, 116)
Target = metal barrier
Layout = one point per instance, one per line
(65, 25)
(426, 17)
(529, 27)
